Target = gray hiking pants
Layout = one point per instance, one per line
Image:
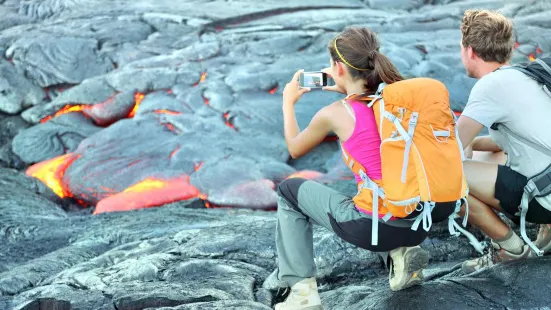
(303, 202)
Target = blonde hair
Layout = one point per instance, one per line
(489, 33)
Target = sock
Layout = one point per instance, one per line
(511, 243)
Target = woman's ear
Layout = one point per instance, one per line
(340, 68)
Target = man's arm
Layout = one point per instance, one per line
(485, 144)
(468, 129)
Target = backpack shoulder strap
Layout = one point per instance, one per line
(544, 65)
(521, 69)
(354, 165)
(533, 145)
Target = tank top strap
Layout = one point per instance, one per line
(347, 106)
(361, 111)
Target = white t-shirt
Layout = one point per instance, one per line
(512, 98)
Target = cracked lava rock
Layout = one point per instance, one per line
(172, 110)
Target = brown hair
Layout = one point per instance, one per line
(359, 48)
(489, 33)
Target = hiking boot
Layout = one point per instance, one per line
(406, 267)
(303, 295)
(543, 241)
(494, 256)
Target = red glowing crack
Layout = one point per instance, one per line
(201, 79)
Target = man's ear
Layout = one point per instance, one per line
(471, 53)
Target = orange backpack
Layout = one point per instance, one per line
(421, 154)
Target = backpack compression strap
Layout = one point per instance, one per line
(359, 169)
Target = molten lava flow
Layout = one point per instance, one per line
(531, 57)
(457, 113)
(204, 198)
(273, 90)
(197, 166)
(228, 120)
(206, 100)
(66, 109)
(202, 78)
(138, 97)
(169, 126)
(51, 172)
(306, 174)
(174, 152)
(148, 193)
(163, 111)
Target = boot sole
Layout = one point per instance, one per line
(416, 261)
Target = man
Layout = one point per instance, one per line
(500, 164)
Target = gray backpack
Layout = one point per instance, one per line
(540, 184)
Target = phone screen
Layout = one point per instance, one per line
(313, 80)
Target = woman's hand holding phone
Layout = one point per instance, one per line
(335, 87)
(293, 91)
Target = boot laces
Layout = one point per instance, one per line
(490, 257)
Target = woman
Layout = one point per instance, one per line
(357, 67)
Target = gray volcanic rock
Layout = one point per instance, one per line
(50, 60)
(45, 9)
(17, 92)
(185, 258)
(54, 138)
(11, 126)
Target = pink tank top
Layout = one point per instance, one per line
(364, 143)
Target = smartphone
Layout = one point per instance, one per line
(315, 79)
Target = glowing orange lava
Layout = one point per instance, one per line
(148, 193)
(66, 109)
(197, 166)
(306, 174)
(202, 78)
(51, 172)
(273, 90)
(138, 97)
(227, 120)
(163, 111)
(174, 152)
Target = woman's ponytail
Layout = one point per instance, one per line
(384, 68)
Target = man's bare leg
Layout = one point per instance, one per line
(481, 177)
(499, 158)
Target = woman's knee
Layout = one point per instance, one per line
(289, 188)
